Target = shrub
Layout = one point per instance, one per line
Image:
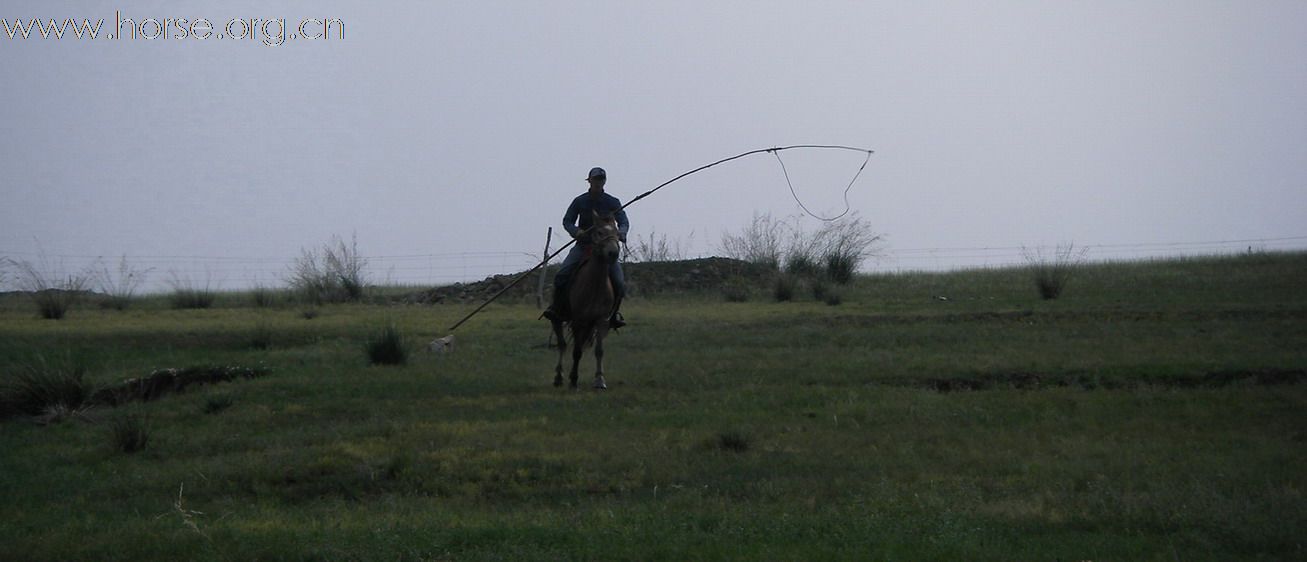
(733, 441)
(840, 246)
(840, 268)
(40, 387)
(819, 288)
(801, 263)
(119, 286)
(656, 249)
(783, 288)
(215, 404)
(129, 433)
(263, 297)
(387, 347)
(333, 274)
(759, 243)
(187, 294)
(262, 337)
(834, 299)
(845, 244)
(1051, 273)
(309, 313)
(735, 291)
(53, 291)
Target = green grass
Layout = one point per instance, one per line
(757, 430)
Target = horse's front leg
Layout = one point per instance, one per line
(578, 349)
(599, 360)
(562, 350)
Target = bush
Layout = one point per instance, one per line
(656, 249)
(834, 299)
(845, 244)
(387, 347)
(215, 404)
(262, 337)
(264, 297)
(119, 286)
(187, 294)
(735, 291)
(53, 291)
(759, 243)
(333, 274)
(732, 441)
(840, 246)
(1051, 273)
(840, 268)
(41, 387)
(130, 433)
(783, 288)
(802, 264)
(819, 288)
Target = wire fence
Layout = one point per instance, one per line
(1004, 256)
(237, 273)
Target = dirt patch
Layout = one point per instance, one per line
(169, 381)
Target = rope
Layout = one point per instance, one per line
(805, 207)
(772, 150)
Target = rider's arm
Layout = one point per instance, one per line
(569, 218)
(622, 224)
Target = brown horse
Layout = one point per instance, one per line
(591, 299)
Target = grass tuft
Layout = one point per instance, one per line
(735, 291)
(264, 297)
(386, 347)
(733, 441)
(841, 266)
(129, 433)
(215, 404)
(262, 337)
(41, 387)
(1051, 273)
(783, 288)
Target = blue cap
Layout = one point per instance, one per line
(597, 173)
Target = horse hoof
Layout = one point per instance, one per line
(558, 382)
(599, 384)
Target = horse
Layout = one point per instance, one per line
(591, 300)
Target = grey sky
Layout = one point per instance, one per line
(440, 128)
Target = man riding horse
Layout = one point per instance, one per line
(578, 220)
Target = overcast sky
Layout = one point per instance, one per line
(457, 132)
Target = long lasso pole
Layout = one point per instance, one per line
(651, 192)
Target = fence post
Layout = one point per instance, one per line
(540, 287)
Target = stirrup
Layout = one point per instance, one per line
(617, 321)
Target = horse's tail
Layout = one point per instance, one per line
(582, 333)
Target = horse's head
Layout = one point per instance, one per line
(606, 237)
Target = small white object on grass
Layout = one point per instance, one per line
(442, 345)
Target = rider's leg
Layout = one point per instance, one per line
(619, 292)
(558, 309)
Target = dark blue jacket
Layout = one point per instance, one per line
(583, 204)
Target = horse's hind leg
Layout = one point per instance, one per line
(599, 383)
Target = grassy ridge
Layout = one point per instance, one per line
(732, 430)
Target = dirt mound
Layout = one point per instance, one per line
(642, 279)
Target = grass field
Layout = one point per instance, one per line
(1154, 412)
